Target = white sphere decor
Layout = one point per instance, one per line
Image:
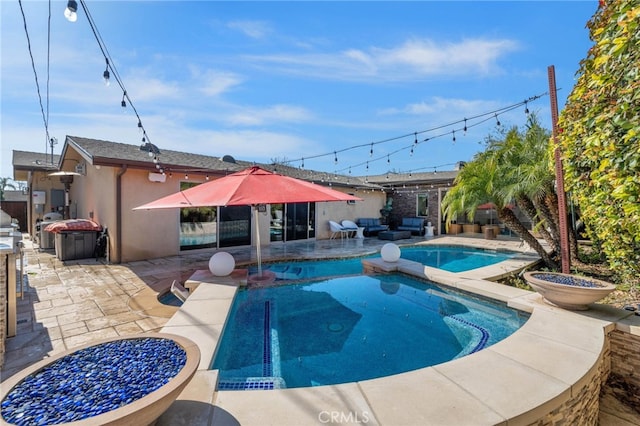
(390, 252)
(222, 264)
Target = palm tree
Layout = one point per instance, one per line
(5, 183)
(497, 176)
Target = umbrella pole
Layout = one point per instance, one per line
(259, 255)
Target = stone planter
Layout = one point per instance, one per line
(455, 228)
(568, 291)
(124, 381)
(471, 228)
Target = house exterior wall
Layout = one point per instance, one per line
(338, 211)
(148, 234)
(41, 181)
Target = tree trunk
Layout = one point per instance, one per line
(530, 209)
(510, 220)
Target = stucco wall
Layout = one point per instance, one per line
(148, 234)
(338, 211)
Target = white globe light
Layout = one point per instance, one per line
(390, 252)
(222, 264)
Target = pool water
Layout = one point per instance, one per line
(449, 258)
(454, 259)
(353, 328)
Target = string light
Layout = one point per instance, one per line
(110, 70)
(454, 136)
(71, 11)
(465, 127)
(335, 157)
(106, 74)
(464, 123)
(497, 121)
(302, 164)
(526, 107)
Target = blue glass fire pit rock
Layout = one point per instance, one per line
(567, 280)
(93, 381)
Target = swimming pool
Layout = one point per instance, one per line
(448, 258)
(348, 329)
(454, 258)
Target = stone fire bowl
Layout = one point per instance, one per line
(142, 411)
(568, 291)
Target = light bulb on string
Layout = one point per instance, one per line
(71, 11)
(335, 158)
(140, 125)
(526, 107)
(465, 127)
(124, 103)
(302, 164)
(186, 176)
(454, 136)
(415, 135)
(105, 74)
(497, 120)
(371, 150)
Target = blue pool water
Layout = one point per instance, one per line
(353, 328)
(449, 258)
(454, 259)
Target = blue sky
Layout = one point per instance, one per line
(289, 80)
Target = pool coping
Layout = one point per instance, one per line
(520, 379)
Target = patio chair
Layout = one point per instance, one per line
(351, 227)
(336, 229)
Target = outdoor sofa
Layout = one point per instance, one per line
(371, 225)
(413, 224)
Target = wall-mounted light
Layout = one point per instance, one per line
(70, 11)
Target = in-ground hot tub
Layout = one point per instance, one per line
(127, 380)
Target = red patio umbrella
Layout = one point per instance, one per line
(251, 186)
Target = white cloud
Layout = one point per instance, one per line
(414, 59)
(437, 105)
(214, 82)
(253, 29)
(271, 115)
